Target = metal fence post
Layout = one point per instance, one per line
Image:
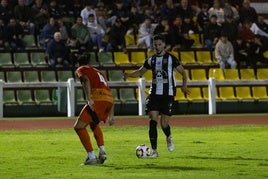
(211, 96)
(142, 98)
(70, 97)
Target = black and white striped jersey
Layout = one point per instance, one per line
(163, 78)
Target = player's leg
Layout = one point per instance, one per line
(102, 110)
(166, 110)
(80, 128)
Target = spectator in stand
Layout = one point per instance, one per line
(96, 33)
(88, 9)
(53, 9)
(261, 46)
(3, 34)
(40, 16)
(121, 12)
(104, 19)
(47, 32)
(230, 11)
(80, 35)
(217, 10)
(242, 53)
(134, 22)
(146, 32)
(224, 52)
(15, 34)
(58, 52)
(203, 17)
(117, 37)
(180, 35)
(230, 27)
(165, 30)
(63, 30)
(169, 10)
(247, 13)
(24, 15)
(212, 32)
(256, 30)
(262, 24)
(5, 11)
(185, 10)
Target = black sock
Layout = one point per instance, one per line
(166, 130)
(153, 134)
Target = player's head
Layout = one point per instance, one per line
(159, 42)
(83, 59)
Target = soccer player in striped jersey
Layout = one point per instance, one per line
(163, 89)
(99, 107)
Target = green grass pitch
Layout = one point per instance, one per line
(207, 152)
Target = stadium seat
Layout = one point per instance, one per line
(42, 97)
(187, 57)
(29, 41)
(198, 74)
(247, 74)
(259, 93)
(38, 59)
(179, 95)
(9, 97)
(175, 53)
(178, 76)
(115, 75)
(21, 59)
(80, 96)
(137, 57)
(6, 60)
(131, 79)
(106, 58)
(31, 76)
(148, 75)
(196, 37)
(121, 58)
(115, 94)
(13, 76)
(195, 94)
(2, 76)
(217, 73)
(127, 95)
(64, 75)
(231, 74)
(227, 93)
(93, 58)
(205, 93)
(48, 76)
(130, 40)
(24, 97)
(262, 73)
(243, 93)
(203, 57)
(150, 53)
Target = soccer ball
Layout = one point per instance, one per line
(143, 151)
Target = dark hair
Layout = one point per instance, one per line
(83, 59)
(159, 37)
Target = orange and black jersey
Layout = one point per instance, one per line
(100, 90)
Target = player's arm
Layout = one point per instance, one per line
(181, 70)
(136, 73)
(87, 89)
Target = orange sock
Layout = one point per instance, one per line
(84, 138)
(98, 135)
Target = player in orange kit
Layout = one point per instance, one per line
(99, 107)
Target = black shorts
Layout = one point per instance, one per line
(163, 104)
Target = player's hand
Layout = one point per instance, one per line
(185, 90)
(111, 121)
(90, 103)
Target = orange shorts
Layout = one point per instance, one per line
(102, 109)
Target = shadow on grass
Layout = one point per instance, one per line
(157, 167)
(224, 158)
